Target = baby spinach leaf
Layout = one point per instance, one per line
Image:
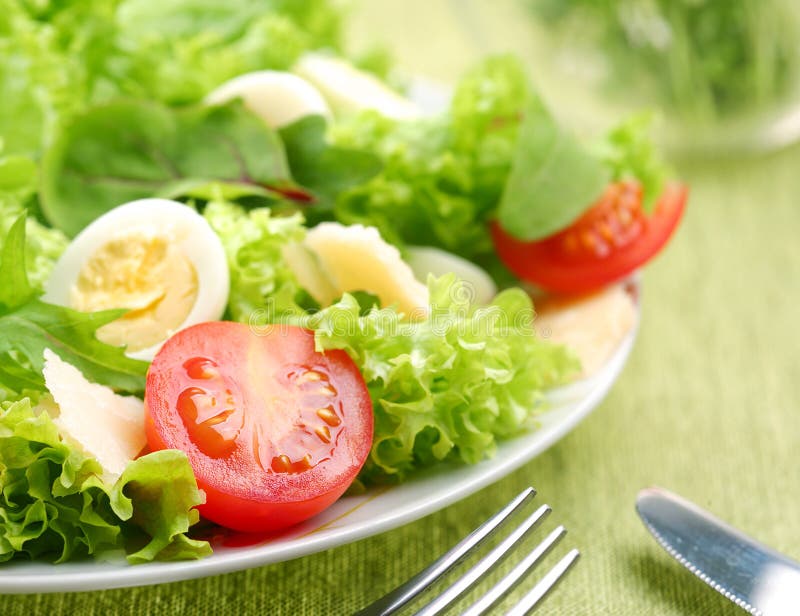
(553, 178)
(324, 169)
(133, 149)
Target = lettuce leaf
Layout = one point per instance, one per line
(260, 278)
(447, 387)
(18, 177)
(630, 154)
(157, 494)
(61, 57)
(442, 176)
(178, 50)
(54, 503)
(39, 79)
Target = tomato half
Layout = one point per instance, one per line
(275, 431)
(608, 242)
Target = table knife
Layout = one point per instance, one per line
(755, 577)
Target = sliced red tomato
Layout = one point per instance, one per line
(275, 431)
(608, 242)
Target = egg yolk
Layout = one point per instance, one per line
(147, 275)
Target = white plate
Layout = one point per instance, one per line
(349, 519)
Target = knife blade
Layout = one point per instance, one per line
(752, 575)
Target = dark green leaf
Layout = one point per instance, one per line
(324, 169)
(29, 326)
(210, 190)
(30, 329)
(133, 149)
(366, 301)
(553, 179)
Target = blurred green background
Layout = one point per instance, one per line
(723, 75)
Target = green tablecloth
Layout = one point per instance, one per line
(708, 406)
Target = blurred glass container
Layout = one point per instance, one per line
(724, 75)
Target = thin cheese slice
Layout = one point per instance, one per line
(355, 258)
(592, 326)
(306, 268)
(348, 89)
(109, 427)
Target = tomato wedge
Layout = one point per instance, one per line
(274, 430)
(607, 243)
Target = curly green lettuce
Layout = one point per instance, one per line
(254, 242)
(55, 504)
(447, 387)
(630, 153)
(60, 57)
(443, 175)
(177, 50)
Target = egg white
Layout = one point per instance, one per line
(426, 260)
(183, 227)
(277, 97)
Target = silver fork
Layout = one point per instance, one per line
(395, 600)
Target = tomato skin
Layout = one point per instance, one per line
(251, 516)
(562, 264)
(263, 411)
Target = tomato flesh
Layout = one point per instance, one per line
(606, 244)
(274, 430)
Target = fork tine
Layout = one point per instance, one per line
(545, 585)
(502, 588)
(469, 579)
(399, 597)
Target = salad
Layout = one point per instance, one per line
(240, 274)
